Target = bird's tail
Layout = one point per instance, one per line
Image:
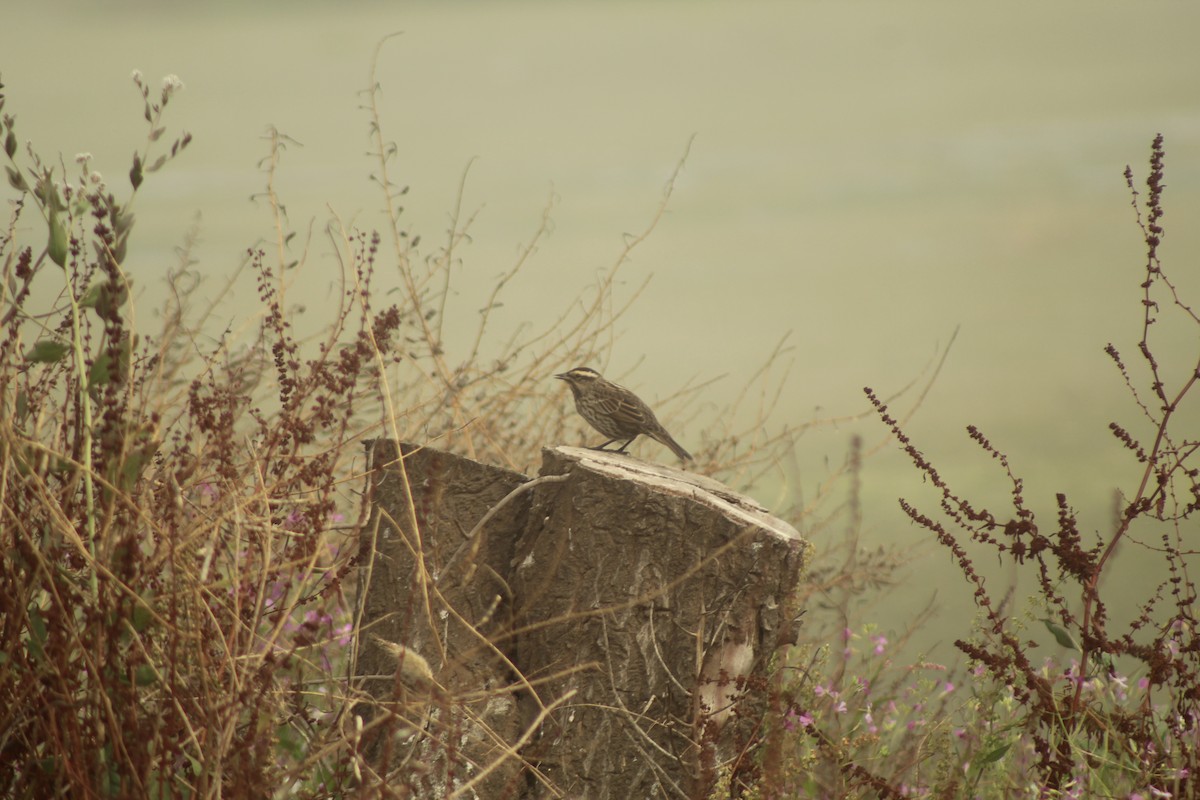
(665, 438)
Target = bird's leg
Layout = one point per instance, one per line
(606, 444)
(625, 446)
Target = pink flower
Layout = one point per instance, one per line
(792, 720)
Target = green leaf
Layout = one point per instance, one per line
(135, 172)
(16, 179)
(144, 676)
(992, 756)
(141, 617)
(1060, 634)
(92, 295)
(101, 372)
(122, 220)
(47, 351)
(101, 296)
(46, 192)
(23, 461)
(118, 250)
(289, 742)
(131, 469)
(37, 635)
(60, 466)
(57, 246)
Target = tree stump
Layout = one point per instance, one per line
(433, 586)
(657, 597)
(633, 608)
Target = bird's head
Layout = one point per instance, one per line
(580, 376)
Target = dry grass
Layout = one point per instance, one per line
(176, 510)
(180, 516)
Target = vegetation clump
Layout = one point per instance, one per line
(177, 515)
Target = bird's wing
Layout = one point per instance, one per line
(632, 412)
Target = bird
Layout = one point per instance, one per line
(615, 411)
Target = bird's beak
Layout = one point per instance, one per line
(562, 376)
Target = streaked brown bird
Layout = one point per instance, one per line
(615, 411)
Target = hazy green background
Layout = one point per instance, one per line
(866, 175)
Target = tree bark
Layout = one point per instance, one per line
(433, 584)
(633, 609)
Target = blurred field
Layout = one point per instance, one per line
(866, 175)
